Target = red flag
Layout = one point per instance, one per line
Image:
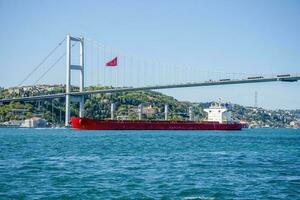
(112, 63)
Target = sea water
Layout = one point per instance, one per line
(73, 164)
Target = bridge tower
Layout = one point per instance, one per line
(69, 68)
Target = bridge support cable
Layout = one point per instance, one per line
(92, 64)
(42, 62)
(98, 62)
(51, 66)
(140, 72)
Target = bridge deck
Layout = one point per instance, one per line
(290, 78)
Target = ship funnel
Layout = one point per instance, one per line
(166, 111)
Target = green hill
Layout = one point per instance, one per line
(98, 106)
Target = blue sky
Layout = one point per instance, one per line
(250, 37)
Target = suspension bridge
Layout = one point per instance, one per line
(128, 74)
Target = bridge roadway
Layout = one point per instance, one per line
(290, 78)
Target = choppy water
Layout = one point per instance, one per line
(72, 164)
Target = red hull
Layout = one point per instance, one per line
(93, 124)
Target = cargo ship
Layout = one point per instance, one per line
(218, 119)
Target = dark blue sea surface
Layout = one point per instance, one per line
(72, 164)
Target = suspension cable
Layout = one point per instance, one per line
(51, 66)
(42, 62)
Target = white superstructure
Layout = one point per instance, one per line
(218, 113)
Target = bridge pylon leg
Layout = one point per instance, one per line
(69, 68)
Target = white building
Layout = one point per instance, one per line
(295, 124)
(13, 123)
(34, 122)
